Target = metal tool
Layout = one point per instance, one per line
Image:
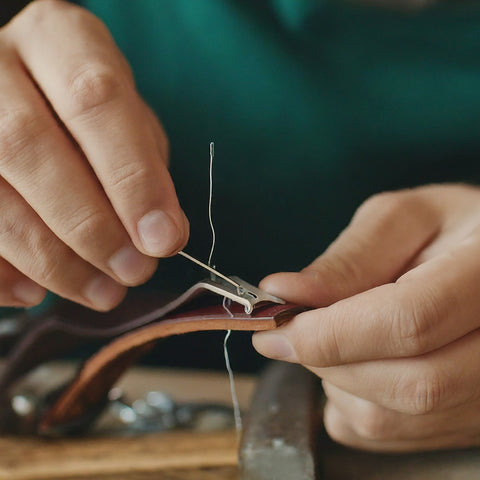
(157, 411)
(246, 295)
(209, 268)
(278, 441)
(234, 288)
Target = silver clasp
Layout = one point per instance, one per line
(245, 294)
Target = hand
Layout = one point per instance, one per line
(395, 334)
(86, 200)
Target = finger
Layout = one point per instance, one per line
(163, 149)
(158, 133)
(16, 290)
(373, 422)
(340, 430)
(385, 234)
(430, 306)
(434, 382)
(43, 165)
(88, 83)
(28, 245)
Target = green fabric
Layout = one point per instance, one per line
(313, 106)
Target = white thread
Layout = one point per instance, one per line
(233, 392)
(210, 196)
(225, 307)
(236, 407)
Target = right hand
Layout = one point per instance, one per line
(86, 201)
(395, 333)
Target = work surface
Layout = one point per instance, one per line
(167, 455)
(203, 456)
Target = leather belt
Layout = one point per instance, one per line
(129, 330)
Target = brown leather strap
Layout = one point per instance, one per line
(132, 329)
(65, 326)
(102, 370)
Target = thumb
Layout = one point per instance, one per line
(386, 233)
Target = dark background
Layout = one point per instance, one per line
(9, 8)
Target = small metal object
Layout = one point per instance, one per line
(204, 417)
(233, 288)
(156, 411)
(210, 198)
(245, 294)
(207, 267)
(24, 405)
(12, 326)
(160, 401)
(119, 408)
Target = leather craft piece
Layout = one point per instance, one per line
(91, 386)
(58, 331)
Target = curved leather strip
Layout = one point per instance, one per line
(103, 369)
(11, 328)
(67, 326)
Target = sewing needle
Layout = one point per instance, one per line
(210, 269)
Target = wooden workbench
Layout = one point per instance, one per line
(183, 455)
(171, 455)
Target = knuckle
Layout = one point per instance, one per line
(129, 177)
(412, 328)
(341, 270)
(387, 204)
(419, 316)
(314, 346)
(18, 127)
(333, 423)
(38, 12)
(40, 8)
(372, 424)
(44, 5)
(326, 349)
(94, 87)
(422, 394)
(83, 225)
(35, 252)
(10, 227)
(46, 265)
(371, 203)
(48, 269)
(35, 13)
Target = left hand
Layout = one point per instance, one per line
(395, 335)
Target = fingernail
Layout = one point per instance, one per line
(130, 265)
(158, 233)
(104, 293)
(28, 292)
(274, 345)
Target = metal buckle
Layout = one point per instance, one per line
(245, 294)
